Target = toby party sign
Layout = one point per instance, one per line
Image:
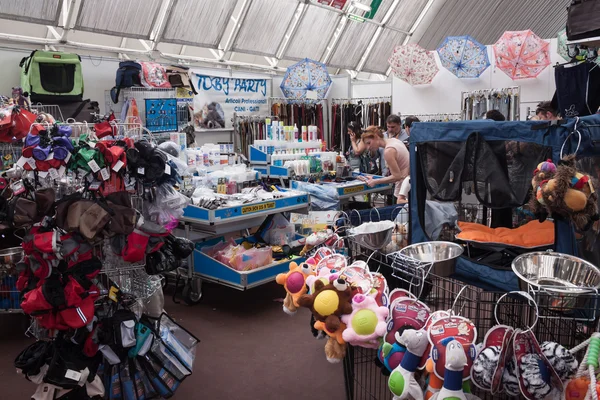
(219, 97)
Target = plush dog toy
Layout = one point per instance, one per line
(367, 324)
(564, 191)
(294, 283)
(328, 303)
(456, 361)
(402, 382)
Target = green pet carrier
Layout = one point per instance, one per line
(52, 77)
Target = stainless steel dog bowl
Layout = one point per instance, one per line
(443, 255)
(373, 235)
(11, 255)
(557, 272)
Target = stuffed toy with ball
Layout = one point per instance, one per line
(294, 283)
(562, 190)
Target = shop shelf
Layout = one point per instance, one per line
(212, 270)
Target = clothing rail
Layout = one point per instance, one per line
(433, 115)
(475, 103)
(349, 100)
(437, 117)
(295, 101)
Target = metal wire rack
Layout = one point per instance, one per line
(567, 323)
(10, 301)
(140, 94)
(51, 109)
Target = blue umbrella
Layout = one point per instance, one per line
(464, 56)
(306, 76)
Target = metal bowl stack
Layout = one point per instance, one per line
(564, 275)
(9, 259)
(443, 255)
(373, 235)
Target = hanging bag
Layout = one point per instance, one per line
(583, 19)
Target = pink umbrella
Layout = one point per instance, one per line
(413, 64)
(521, 54)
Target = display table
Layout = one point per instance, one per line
(344, 191)
(207, 227)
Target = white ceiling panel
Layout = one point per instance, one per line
(38, 11)
(305, 43)
(352, 45)
(129, 18)
(265, 26)
(207, 18)
(382, 50)
(406, 14)
(487, 20)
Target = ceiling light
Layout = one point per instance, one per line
(361, 6)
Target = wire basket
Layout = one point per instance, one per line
(51, 109)
(568, 326)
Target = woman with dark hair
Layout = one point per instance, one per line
(355, 150)
(545, 111)
(495, 115)
(360, 158)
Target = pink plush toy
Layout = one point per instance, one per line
(366, 325)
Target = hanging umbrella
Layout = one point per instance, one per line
(522, 54)
(413, 64)
(563, 49)
(307, 79)
(463, 56)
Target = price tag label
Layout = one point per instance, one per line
(67, 158)
(50, 156)
(31, 163)
(105, 174)
(17, 187)
(94, 166)
(95, 185)
(141, 170)
(167, 169)
(119, 164)
(73, 375)
(22, 161)
(53, 173)
(92, 144)
(43, 174)
(62, 170)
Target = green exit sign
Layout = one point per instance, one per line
(356, 18)
(374, 7)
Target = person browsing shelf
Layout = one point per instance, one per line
(367, 158)
(546, 112)
(394, 127)
(396, 158)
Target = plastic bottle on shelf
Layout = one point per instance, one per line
(296, 139)
(305, 134)
(191, 158)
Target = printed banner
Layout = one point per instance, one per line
(219, 97)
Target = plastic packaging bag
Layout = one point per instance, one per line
(252, 259)
(279, 232)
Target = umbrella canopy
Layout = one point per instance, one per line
(563, 49)
(306, 77)
(464, 56)
(413, 64)
(522, 54)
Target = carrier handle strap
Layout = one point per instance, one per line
(28, 60)
(78, 109)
